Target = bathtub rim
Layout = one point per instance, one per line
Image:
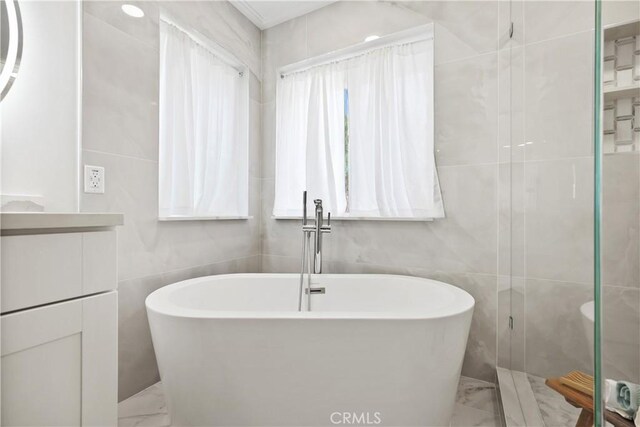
(156, 302)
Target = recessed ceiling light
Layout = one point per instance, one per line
(371, 38)
(132, 10)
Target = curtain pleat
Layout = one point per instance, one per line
(203, 168)
(310, 135)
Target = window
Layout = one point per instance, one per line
(203, 170)
(355, 128)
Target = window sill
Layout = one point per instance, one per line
(352, 218)
(202, 218)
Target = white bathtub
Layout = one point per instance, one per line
(375, 350)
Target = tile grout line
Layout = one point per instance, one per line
(120, 31)
(106, 153)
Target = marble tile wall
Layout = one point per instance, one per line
(120, 133)
(460, 249)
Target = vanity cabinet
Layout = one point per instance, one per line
(59, 322)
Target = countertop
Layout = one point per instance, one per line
(58, 220)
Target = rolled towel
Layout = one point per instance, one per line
(611, 399)
(610, 395)
(628, 397)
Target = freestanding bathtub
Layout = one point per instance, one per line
(374, 350)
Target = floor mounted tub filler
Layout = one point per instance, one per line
(233, 350)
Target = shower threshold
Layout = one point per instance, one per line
(527, 401)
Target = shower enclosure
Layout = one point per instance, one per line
(569, 202)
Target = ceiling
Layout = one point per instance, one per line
(266, 14)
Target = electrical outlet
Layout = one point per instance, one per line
(93, 179)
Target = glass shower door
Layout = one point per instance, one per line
(546, 223)
(617, 199)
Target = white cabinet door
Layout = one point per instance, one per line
(59, 364)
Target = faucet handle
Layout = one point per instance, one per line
(327, 228)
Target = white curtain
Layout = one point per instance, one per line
(310, 140)
(393, 171)
(203, 131)
(391, 165)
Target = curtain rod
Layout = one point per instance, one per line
(412, 35)
(204, 42)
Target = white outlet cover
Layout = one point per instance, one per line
(93, 179)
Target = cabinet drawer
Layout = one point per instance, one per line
(43, 268)
(40, 268)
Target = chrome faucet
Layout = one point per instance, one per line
(318, 229)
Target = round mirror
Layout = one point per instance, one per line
(10, 44)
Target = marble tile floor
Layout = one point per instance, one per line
(476, 405)
(556, 412)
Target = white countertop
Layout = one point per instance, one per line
(49, 220)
